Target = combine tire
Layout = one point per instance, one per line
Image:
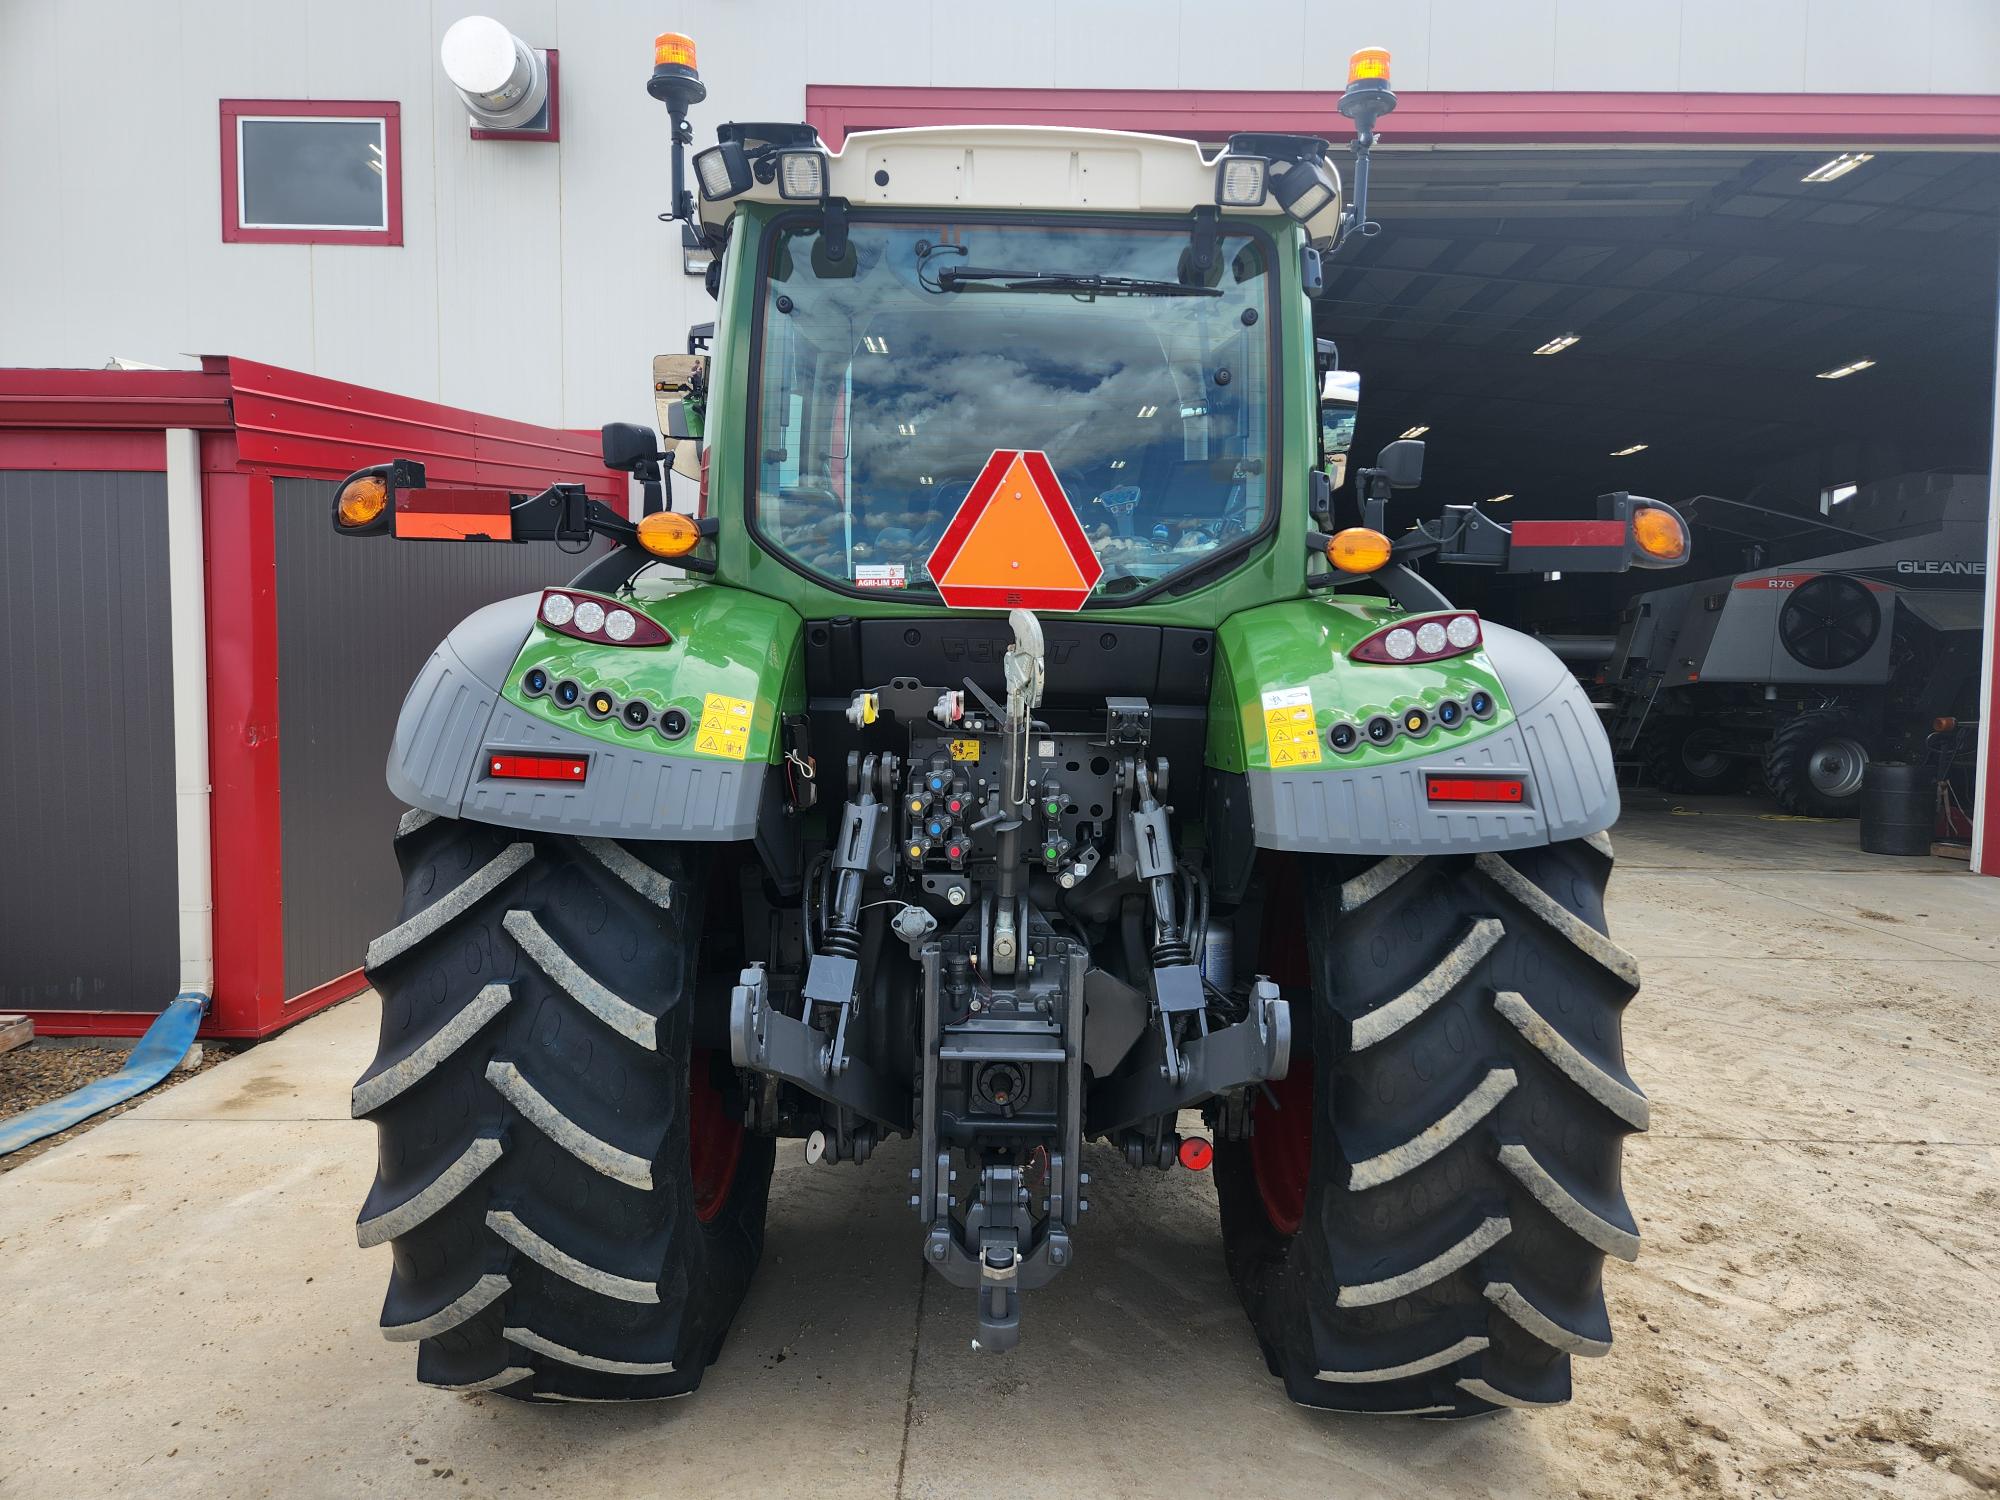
(1685, 755)
(1815, 763)
(1418, 1222)
(573, 1205)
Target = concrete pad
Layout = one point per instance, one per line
(1694, 913)
(1955, 916)
(1749, 832)
(1862, 1051)
(184, 1312)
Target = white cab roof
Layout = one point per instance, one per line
(1021, 166)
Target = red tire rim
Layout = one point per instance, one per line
(1281, 1146)
(715, 1142)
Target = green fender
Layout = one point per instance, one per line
(1284, 681)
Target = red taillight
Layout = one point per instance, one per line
(590, 617)
(1420, 638)
(537, 767)
(1461, 788)
(1196, 1153)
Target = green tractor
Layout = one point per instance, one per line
(1023, 751)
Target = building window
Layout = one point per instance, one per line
(311, 172)
(1835, 494)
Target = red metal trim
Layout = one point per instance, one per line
(391, 116)
(1569, 534)
(554, 130)
(96, 452)
(113, 398)
(319, 997)
(293, 423)
(123, 1023)
(94, 1022)
(243, 752)
(1536, 118)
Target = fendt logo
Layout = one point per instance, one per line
(1956, 567)
(962, 648)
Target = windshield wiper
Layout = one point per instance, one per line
(952, 278)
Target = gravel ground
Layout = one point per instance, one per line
(43, 1070)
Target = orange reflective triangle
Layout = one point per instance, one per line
(1015, 541)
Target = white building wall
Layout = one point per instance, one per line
(534, 280)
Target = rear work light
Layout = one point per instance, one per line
(801, 174)
(606, 621)
(1420, 638)
(1448, 786)
(1240, 181)
(508, 767)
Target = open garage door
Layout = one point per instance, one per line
(1795, 347)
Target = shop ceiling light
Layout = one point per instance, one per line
(874, 343)
(1841, 372)
(1628, 452)
(1416, 432)
(1840, 166)
(1496, 499)
(1147, 411)
(1557, 344)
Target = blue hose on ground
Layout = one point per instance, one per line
(154, 1056)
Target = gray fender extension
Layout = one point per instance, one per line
(454, 714)
(1554, 742)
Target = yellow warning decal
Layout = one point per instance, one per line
(965, 750)
(1290, 729)
(725, 727)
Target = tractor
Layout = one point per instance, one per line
(1018, 758)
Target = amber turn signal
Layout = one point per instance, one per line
(1357, 550)
(362, 500)
(668, 533)
(1659, 533)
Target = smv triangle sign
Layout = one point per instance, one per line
(1015, 543)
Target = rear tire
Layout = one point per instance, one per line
(1815, 763)
(1419, 1225)
(573, 1206)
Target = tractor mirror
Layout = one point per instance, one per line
(628, 446)
(1403, 462)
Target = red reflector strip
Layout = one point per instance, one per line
(537, 767)
(1569, 533)
(1473, 788)
(455, 515)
